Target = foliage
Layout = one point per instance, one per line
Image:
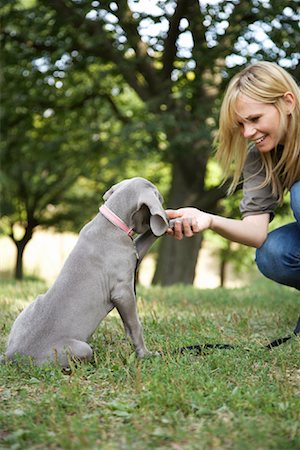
(90, 85)
(242, 398)
(60, 148)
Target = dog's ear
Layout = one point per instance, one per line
(141, 219)
(159, 223)
(158, 220)
(114, 188)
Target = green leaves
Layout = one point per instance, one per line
(100, 90)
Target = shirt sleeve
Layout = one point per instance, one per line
(256, 199)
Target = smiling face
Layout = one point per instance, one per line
(261, 106)
(259, 122)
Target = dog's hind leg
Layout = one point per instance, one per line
(62, 353)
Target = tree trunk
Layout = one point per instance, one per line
(223, 266)
(21, 244)
(177, 259)
(19, 262)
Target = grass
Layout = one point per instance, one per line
(226, 399)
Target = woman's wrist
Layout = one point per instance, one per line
(211, 221)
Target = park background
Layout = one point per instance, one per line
(95, 92)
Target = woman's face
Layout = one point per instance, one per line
(259, 122)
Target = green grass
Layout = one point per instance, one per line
(227, 399)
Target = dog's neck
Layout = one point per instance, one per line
(114, 219)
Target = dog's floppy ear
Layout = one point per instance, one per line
(158, 219)
(159, 223)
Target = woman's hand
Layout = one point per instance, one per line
(192, 221)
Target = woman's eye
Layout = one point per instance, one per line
(254, 119)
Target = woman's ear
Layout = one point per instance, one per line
(290, 102)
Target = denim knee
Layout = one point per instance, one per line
(279, 257)
(267, 258)
(295, 200)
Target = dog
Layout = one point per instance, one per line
(98, 275)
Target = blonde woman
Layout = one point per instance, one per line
(258, 140)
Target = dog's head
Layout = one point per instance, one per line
(144, 203)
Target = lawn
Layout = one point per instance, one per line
(244, 398)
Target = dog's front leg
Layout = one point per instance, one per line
(126, 306)
(143, 243)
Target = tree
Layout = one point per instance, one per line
(39, 167)
(59, 146)
(177, 60)
(54, 132)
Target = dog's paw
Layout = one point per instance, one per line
(146, 354)
(155, 354)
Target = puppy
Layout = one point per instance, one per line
(98, 276)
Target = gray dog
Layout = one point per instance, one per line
(98, 275)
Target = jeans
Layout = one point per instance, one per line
(279, 256)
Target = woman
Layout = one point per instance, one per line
(259, 135)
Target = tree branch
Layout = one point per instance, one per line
(241, 14)
(170, 48)
(143, 61)
(215, 194)
(104, 48)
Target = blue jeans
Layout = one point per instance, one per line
(279, 256)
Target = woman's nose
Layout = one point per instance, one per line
(248, 130)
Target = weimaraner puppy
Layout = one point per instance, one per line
(98, 275)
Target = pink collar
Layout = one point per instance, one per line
(113, 218)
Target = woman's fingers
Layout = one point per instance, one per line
(187, 222)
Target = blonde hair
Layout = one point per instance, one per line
(264, 82)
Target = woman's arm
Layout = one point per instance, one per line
(252, 230)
